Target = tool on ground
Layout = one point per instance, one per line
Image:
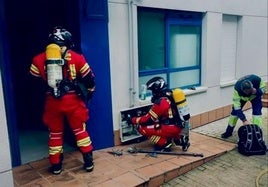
(151, 152)
(116, 152)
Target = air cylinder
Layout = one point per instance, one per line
(54, 64)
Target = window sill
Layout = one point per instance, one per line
(227, 83)
(197, 90)
(147, 101)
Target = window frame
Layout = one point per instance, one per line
(172, 21)
(180, 18)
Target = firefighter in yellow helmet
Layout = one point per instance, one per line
(69, 82)
(162, 124)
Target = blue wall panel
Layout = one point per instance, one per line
(6, 76)
(95, 47)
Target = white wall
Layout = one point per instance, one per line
(251, 54)
(253, 47)
(119, 58)
(6, 176)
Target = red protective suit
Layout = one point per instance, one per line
(69, 106)
(158, 124)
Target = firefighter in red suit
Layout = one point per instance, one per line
(159, 125)
(69, 82)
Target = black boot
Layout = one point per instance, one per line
(164, 148)
(88, 161)
(228, 132)
(57, 168)
(186, 143)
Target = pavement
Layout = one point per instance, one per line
(231, 169)
(221, 165)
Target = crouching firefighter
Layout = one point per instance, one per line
(159, 125)
(63, 72)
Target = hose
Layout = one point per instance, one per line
(259, 176)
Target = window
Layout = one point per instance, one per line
(169, 45)
(229, 48)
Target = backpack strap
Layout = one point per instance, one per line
(175, 112)
(248, 143)
(258, 135)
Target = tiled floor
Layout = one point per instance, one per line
(128, 170)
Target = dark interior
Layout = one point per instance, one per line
(29, 23)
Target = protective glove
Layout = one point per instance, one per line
(90, 95)
(134, 120)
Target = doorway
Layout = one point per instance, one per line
(28, 25)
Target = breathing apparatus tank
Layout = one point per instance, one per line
(54, 64)
(181, 103)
